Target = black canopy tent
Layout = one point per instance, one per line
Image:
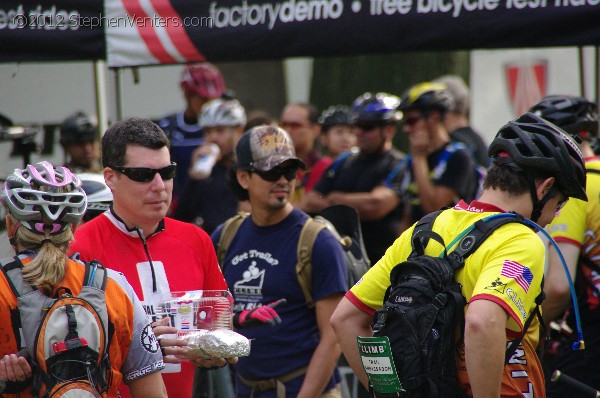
(128, 33)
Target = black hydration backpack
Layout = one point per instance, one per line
(423, 312)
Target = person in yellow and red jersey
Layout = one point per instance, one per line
(44, 204)
(576, 229)
(536, 168)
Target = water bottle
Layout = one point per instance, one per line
(203, 166)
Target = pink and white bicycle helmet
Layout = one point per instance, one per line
(44, 198)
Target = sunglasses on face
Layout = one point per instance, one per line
(367, 127)
(146, 174)
(292, 125)
(411, 121)
(276, 173)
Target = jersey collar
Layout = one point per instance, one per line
(478, 207)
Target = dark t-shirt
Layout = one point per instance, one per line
(209, 199)
(457, 172)
(473, 141)
(355, 173)
(260, 267)
(184, 139)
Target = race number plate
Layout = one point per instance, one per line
(377, 360)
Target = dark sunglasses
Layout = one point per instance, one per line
(146, 174)
(411, 121)
(292, 125)
(367, 126)
(276, 173)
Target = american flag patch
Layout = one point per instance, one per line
(518, 272)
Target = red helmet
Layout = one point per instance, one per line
(203, 79)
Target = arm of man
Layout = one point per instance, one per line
(556, 284)
(348, 321)
(433, 197)
(150, 386)
(327, 353)
(485, 346)
(313, 202)
(371, 206)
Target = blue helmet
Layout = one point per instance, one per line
(380, 108)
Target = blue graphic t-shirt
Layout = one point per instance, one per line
(260, 267)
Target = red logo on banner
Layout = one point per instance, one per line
(526, 83)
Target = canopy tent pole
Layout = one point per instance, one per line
(581, 72)
(118, 94)
(101, 99)
(597, 74)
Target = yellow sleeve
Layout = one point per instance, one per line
(370, 289)
(510, 268)
(570, 223)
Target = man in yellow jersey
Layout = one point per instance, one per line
(576, 229)
(536, 168)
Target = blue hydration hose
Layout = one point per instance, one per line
(578, 345)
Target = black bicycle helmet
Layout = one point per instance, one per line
(381, 108)
(532, 143)
(427, 97)
(78, 127)
(336, 115)
(576, 115)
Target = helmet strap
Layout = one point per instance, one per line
(538, 205)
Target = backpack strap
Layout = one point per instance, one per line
(12, 269)
(419, 237)
(230, 228)
(536, 311)
(308, 235)
(339, 160)
(481, 230)
(95, 275)
(469, 243)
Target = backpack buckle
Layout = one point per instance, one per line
(62, 346)
(440, 300)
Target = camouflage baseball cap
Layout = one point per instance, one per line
(265, 147)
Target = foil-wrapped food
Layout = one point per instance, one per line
(219, 343)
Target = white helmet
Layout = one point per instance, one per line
(99, 196)
(44, 198)
(221, 112)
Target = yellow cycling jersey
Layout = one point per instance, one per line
(578, 222)
(507, 268)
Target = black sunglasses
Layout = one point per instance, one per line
(411, 121)
(367, 127)
(276, 173)
(146, 174)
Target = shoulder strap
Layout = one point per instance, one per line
(593, 171)
(308, 235)
(420, 237)
(95, 275)
(339, 160)
(481, 230)
(12, 268)
(228, 231)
